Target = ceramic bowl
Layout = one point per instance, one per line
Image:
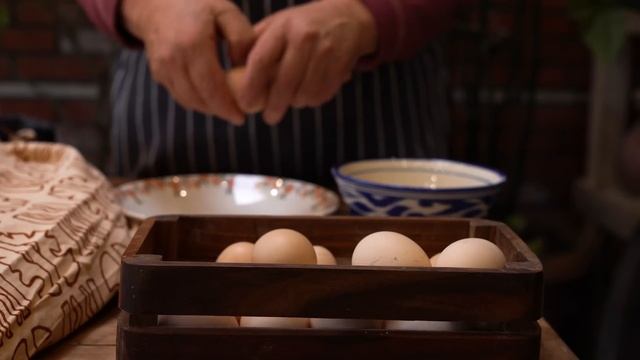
(224, 194)
(417, 187)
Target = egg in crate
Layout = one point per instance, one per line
(472, 253)
(284, 246)
(387, 248)
(274, 322)
(198, 321)
(434, 259)
(240, 252)
(281, 246)
(345, 324)
(324, 256)
(420, 325)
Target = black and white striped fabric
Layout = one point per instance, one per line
(397, 110)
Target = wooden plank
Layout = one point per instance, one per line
(99, 333)
(80, 352)
(161, 343)
(86, 345)
(333, 292)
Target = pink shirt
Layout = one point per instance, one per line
(404, 26)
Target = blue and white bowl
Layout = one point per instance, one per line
(417, 187)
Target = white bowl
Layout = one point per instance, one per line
(417, 187)
(224, 194)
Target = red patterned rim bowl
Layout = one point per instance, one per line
(224, 194)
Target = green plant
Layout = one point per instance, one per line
(4, 16)
(602, 23)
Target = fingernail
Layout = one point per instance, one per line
(268, 117)
(271, 117)
(245, 105)
(238, 120)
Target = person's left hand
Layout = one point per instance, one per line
(304, 54)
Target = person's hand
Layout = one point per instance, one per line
(181, 39)
(304, 54)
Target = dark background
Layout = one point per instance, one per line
(520, 79)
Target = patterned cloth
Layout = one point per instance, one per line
(61, 239)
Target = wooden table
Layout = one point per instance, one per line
(96, 340)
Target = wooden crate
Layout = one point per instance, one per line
(168, 269)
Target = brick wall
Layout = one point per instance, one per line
(55, 66)
(556, 144)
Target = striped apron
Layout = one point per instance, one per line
(396, 110)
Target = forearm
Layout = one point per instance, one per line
(405, 26)
(106, 16)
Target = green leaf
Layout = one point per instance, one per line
(606, 33)
(4, 17)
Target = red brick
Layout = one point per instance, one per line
(35, 12)
(565, 52)
(5, 68)
(70, 13)
(555, 4)
(43, 109)
(558, 24)
(564, 77)
(60, 68)
(20, 40)
(78, 111)
(501, 21)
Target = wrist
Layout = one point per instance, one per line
(367, 25)
(122, 30)
(128, 17)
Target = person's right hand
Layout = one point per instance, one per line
(181, 39)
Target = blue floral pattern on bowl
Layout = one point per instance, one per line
(366, 197)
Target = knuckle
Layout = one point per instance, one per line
(257, 64)
(187, 39)
(239, 39)
(303, 32)
(326, 48)
(162, 59)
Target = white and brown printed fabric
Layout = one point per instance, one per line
(61, 239)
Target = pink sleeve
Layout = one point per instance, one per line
(105, 14)
(405, 26)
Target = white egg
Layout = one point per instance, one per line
(472, 253)
(324, 256)
(434, 259)
(421, 325)
(345, 324)
(240, 252)
(198, 321)
(274, 322)
(386, 248)
(284, 246)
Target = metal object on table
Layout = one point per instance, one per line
(22, 128)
